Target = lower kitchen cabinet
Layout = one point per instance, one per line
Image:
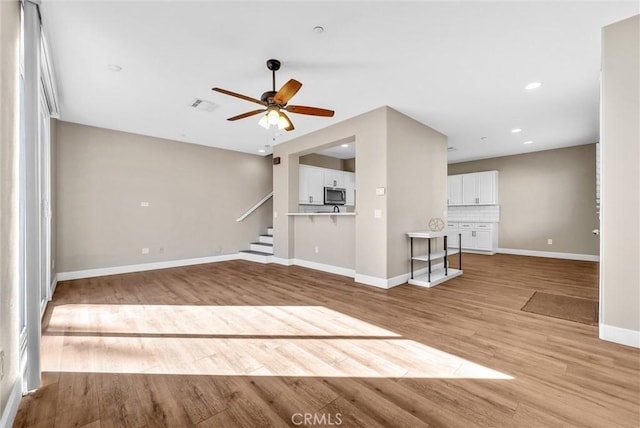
(476, 237)
(453, 240)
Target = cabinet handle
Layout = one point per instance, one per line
(310, 198)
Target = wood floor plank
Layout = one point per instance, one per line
(241, 344)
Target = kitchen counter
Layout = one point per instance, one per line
(323, 214)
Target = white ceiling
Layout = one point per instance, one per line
(459, 67)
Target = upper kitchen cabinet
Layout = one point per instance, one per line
(454, 190)
(334, 178)
(311, 185)
(350, 185)
(478, 188)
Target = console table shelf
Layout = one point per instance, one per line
(434, 275)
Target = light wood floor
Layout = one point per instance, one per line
(248, 345)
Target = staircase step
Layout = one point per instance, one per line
(263, 247)
(270, 231)
(256, 256)
(266, 239)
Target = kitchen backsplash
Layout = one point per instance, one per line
(483, 213)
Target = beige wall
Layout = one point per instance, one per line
(370, 128)
(386, 142)
(349, 165)
(321, 161)
(620, 156)
(334, 238)
(547, 194)
(9, 143)
(417, 180)
(195, 193)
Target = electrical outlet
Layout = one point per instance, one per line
(1, 365)
(377, 213)
(144, 204)
(549, 241)
(145, 250)
(316, 249)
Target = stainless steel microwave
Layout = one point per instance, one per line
(335, 196)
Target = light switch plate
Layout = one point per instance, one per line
(380, 191)
(377, 213)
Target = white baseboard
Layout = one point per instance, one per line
(619, 335)
(392, 282)
(90, 273)
(324, 268)
(550, 254)
(11, 408)
(54, 284)
(371, 280)
(363, 279)
(283, 262)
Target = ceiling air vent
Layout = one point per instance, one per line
(203, 105)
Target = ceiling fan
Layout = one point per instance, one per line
(275, 103)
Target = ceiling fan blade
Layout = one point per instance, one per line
(290, 126)
(247, 114)
(287, 91)
(313, 111)
(243, 97)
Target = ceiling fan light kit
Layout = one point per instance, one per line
(276, 103)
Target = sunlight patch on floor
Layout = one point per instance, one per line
(293, 341)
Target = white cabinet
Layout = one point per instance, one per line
(452, 235)
(350, 185)
(313, 180)
(454, 190)
(478, 188)
(311, 185)
(487, 187)
(478, 237)
(333, 178)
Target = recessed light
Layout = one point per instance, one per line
(318, 29)
(516, 130)
(533, 85)
(114, 67)
(344, 145)
(528, 142)
(261, 151)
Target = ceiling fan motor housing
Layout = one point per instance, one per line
(267, 97)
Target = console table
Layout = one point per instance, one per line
(434, 274)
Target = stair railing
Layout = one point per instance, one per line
(255, 207)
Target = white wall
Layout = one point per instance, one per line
(620, 214)
(9, 149)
